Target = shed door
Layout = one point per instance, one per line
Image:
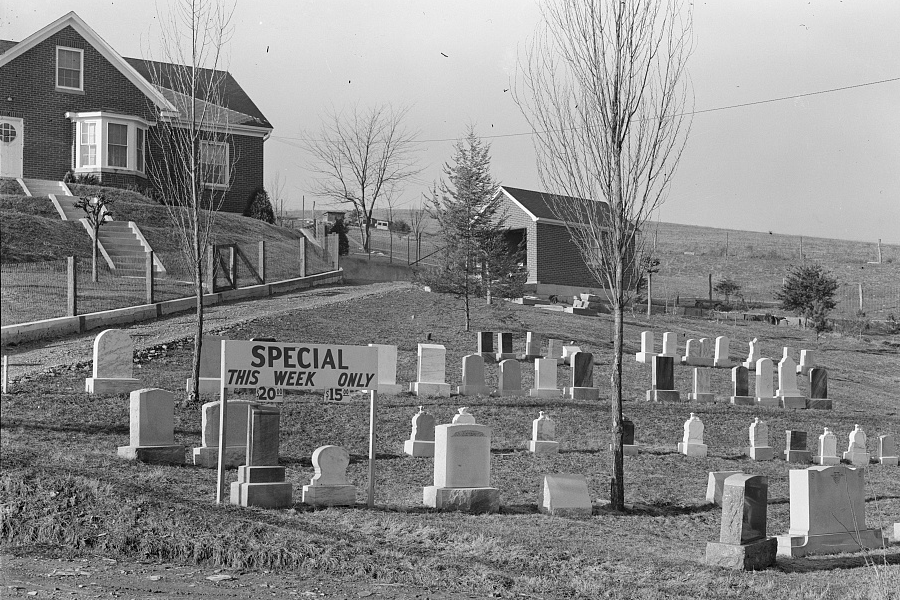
(11, 143)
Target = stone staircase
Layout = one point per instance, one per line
(121, 242)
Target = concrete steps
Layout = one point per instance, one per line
(118, 240)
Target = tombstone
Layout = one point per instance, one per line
(721, 359)
(210, 366)
(463, 417)
(828, 513)
(759, 448)
(788, 393)
(692, 442)
(818, 389)
(795, 447)
(473, 376)
(715, 485)
(886, 451)
(646, 353)
(752, 356)
(583, 378)
(486, 345)
(662, 382)
(629, 448)
(555, 349)
(387, 369)
(545, 379)
(509, 379)
(543, 435)
(701, 391)
(532, 346)
(707, 353)
(568, 351)
(765, 394)
(152, 438)
(261, 481)
(207, 454)
(740, 387)
(504, 346)
(827, 450)
(421, 439)
(462, 469)
(565, 496)
(691, 353)
(742, 541)
(431, 372)
(670, 344)
(856, 453)
(113, 364)
(807, 362)
(330, 486)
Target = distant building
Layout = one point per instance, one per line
(332, 216)
(379, 224)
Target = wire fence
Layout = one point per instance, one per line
(402, 248)
(41, 290)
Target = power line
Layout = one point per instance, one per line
(284, 139)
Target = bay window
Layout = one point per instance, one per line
(117, 145)
(108, 142)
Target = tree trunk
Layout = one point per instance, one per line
(194, 394)
(617, 490)
(94, 254)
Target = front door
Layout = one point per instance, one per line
(12, 140)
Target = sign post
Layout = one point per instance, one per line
(272, 367)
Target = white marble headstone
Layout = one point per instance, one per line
(113, 355)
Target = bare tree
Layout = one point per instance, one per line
(361, 155)
(418, 221)
(276, 194)
(96, 212)
(194, 162)
(604, 88)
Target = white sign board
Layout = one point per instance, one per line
(293, 366)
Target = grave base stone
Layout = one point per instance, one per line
(794, 546)
(165, 455)
(627, 449)
(701, 397)
(472, 390)
(761, 452)
(753, 556)
(743, 401)
(207, 385)
(565, 496)
(582, 393)
(390, 388)
(792, 402)
(418, 448)
(663, 396)
(699, 450)
(543, 447)
(421, 388)
(767, 402)
(329, 495)
(208, 458)
(470, 500)
(101, 385)
(545, 393)
(819, 404)
(826, 460)
(716, 484)
(798, 456)
(857, 458)
(264, 495)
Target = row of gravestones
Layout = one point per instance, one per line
(788, 394)
(703, 353)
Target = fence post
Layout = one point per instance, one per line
(261, 261)
(303, 256)
(710, 287)
(149, 277)
(860, 296)
(232, 266)
(211, 269)
(336, 253)
(72, 280)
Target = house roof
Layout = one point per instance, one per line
(6, 45)
(241, 109)
(538, 204)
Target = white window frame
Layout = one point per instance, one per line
(226, 171)
(140, 149)
(102, 121)
(80, 131)
(128, 146)
(67, 88)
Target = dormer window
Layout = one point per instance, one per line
(69, 69)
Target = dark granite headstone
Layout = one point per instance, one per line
(485, 342)
(663, 374)
(628, 433)
(796, 440)
(506, 343)
(262, 437)
(818, 382)
(583, 370)
(740, 379)
(744, 502)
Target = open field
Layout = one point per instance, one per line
(62, 485)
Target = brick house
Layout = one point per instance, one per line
(69, 102)
(555, 265)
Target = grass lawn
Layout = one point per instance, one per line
(63, 487)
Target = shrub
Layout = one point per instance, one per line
(809, 291)
(261, 207)
(81, 178)
(340, 228)
(727, 287)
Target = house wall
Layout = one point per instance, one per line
(559, 261)
(30, 80)
(516, 218)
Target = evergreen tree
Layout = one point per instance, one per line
(476, 261)
(261, 207)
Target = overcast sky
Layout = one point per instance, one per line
(822, 165)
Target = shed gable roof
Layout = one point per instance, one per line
(537, 204)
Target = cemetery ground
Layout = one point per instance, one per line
(66, 497)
